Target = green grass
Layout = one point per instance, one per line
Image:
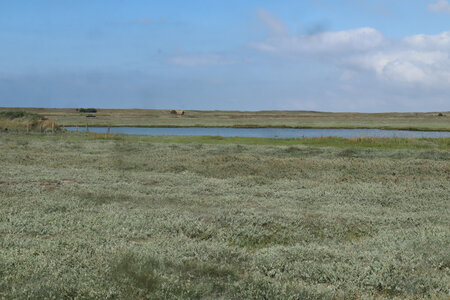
(126, 217)
(253, 119)
(337, 142)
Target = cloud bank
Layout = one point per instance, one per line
(419, 59)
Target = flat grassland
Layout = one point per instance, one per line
(290, 119)
(89, 216)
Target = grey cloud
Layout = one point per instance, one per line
(316, 28)
(440, 6)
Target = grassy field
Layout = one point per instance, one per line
(293, 119)
(84, 216)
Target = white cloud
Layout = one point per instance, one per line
(427, 68)
(403, 70)
(419, 59)
(440, 6)
(423, 41)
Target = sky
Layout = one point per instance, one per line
(322, 55)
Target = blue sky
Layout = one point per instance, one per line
(348, 55)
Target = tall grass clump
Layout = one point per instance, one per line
(25, 121)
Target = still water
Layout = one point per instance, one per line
(268, 132)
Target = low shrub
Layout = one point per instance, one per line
(87, 110)
(19, 114)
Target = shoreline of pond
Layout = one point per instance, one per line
(261, 132)
(386, 128)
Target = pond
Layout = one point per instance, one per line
(267, 132)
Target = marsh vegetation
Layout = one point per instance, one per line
(246, 119)
(90, 216)
(22, 121)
